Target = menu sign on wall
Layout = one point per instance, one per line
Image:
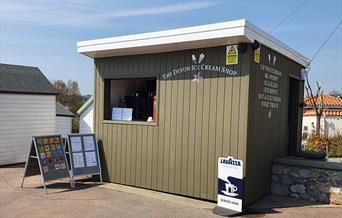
(269, 95)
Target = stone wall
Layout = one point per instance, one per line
(307, 180)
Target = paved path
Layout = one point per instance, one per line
(92, 201)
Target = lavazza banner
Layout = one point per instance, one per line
(230, 183)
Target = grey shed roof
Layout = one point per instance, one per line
(24, 79)
(62, 111)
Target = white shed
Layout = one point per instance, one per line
(27, 108)
(86, 116)
(63, 120)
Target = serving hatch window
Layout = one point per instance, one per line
(130, 99)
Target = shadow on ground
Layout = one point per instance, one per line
(65, 186)
(19, 165)
(268, 204)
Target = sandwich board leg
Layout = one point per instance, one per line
(22, 182)
(71, 179)
(72, 182)
(27, 160)
(45, 187)
(101, 177)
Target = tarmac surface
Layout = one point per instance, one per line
(111, 200)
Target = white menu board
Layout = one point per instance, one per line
(78, 159)
(76, 144)
(127, 114)
(86, 159)
(89, 144)
(91, 159)
(116, 113)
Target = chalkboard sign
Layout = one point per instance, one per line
(84, 155)
(47, 157)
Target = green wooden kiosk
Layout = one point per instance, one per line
(168, 104)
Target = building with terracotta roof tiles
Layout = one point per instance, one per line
(331, 120)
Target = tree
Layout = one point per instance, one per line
(74, 94)
(69, 94)
(63, 91)
(316, 101)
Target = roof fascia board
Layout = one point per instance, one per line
(179, 37)
(254, 33)
(166, 33)
(190, 37)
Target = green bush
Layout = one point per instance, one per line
(335, 148)
(321, 143)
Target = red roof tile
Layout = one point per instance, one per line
(326, 112)
(328, 100)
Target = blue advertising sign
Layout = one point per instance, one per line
(230, 183)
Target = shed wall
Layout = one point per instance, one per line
(86, 119)
(21, 117)
(332, 125)
(268, 128)
(63, 125)
(197, 122)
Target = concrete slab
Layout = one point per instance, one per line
(83, 201)
(160, 196)
(112, 200)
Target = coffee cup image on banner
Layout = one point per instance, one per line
(231, 187)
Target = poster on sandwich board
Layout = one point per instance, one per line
(47, 158)
(230, 184)
(84, 155)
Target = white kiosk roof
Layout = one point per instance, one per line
(217, 34)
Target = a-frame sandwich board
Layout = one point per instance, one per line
(47, 158)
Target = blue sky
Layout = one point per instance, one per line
(44, 33)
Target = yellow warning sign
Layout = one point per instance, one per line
(257, 55)
(232, 55)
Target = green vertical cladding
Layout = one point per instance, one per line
(267, 136)
(197, 122)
